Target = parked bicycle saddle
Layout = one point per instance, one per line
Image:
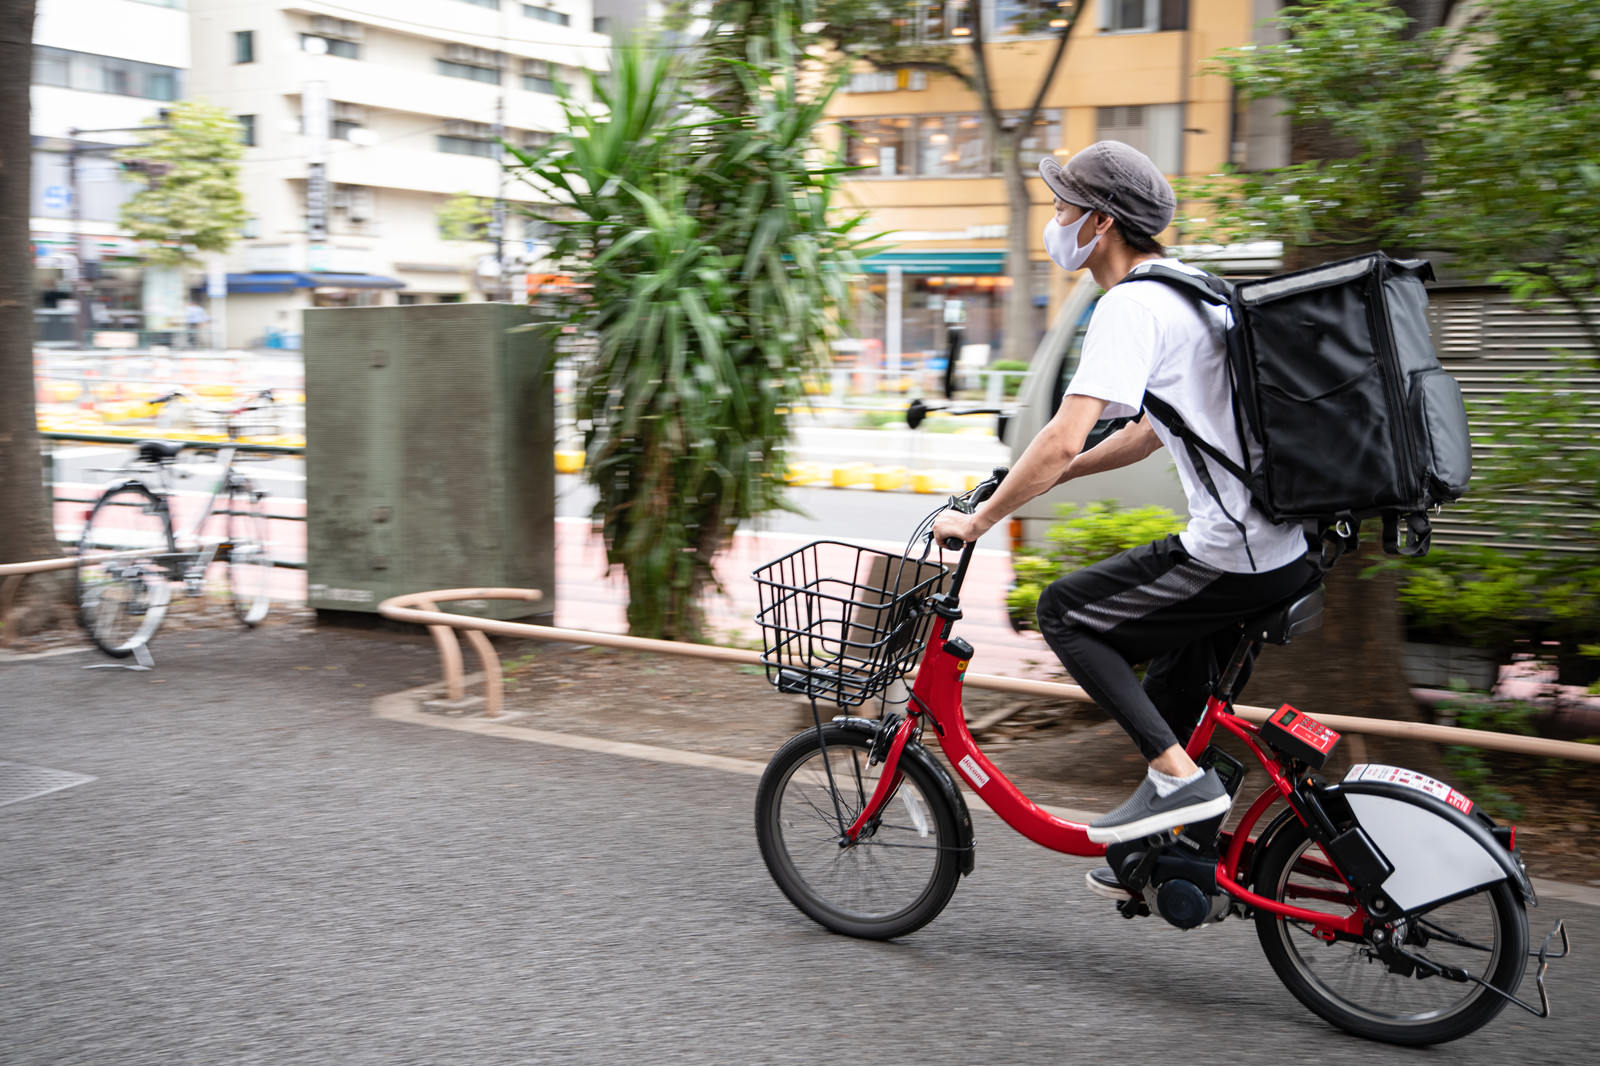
(158, 451)
(1293, 618)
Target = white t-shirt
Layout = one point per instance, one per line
(1151, 336)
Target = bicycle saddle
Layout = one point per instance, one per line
(1293, 618)
(158, 451)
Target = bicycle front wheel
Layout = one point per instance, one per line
(249, 560)
(900, 872)
(125, 554)
(1348, 983)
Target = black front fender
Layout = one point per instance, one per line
(946, 784)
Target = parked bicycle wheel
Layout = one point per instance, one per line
(249, 560)
(1349, 984)
(896, 877)
(124, 557)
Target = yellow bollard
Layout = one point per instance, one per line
(933, 482)
(569, 462)
(889, 478)
(850, 474)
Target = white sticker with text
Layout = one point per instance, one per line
(1397, 775)
(974, 772)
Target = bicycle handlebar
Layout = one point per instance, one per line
(968, 502)
(265, 396)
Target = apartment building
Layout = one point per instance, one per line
(361, 120)
(100, 69)
(1134, 71)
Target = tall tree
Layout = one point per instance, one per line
(1470, 144)
(888, 35)
(191, 200)
(692, 204)
(26, 527)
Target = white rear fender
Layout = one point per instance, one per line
(1437, 849)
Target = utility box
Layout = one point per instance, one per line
(430, 440)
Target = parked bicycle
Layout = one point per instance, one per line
(129, 555)
(1386, 902)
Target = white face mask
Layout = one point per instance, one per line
(1061, 243)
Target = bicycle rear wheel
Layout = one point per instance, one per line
(1346, 982)
(901, 871)
(249, 560)
(124, 557)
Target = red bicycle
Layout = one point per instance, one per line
(1386, 902)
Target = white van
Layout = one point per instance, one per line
(1151, 481)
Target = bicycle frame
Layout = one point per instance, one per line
(936, 698)
(201, 556)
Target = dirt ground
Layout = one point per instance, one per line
(1063, 754)
(1058, 753)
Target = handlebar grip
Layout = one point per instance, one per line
(953, 544)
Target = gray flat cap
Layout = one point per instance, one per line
(1117, 179)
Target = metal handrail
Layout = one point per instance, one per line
(406, 609)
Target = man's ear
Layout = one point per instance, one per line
(1103, 223)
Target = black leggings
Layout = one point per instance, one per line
(1159, 605)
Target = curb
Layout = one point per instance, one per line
(405, 707)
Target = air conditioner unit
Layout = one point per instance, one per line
(340, 198)
(328, 26)
(343, 112)
(459, 53)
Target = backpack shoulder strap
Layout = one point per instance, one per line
(1198, 449)
(1207, 288)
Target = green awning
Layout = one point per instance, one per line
(961, 261)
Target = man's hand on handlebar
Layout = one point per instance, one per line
(953, 525)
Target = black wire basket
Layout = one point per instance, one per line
(840, 622)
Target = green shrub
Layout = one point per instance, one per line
(1085, 535)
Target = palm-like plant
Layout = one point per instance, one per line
(691, 201)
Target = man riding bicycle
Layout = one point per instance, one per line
(1175, 603)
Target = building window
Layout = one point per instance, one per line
(540, 76)
(884, 145)
(247, 130)
(1154, 129)
(1026, 18)
(160, 85)
(1143, 16)
(244, 46)
(1042, 140)
(951, 145)
(485, 3)
(544, 14)
(457, 145)
(116, 77)
(336, 46)
(105, 74)
(451, 69)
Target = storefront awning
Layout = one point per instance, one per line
(961, 261)
(287, 282)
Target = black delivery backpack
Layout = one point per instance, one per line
(1334, 372)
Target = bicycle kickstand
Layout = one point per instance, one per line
(142, 660)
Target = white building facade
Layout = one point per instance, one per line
(361, 120)
(101, 68)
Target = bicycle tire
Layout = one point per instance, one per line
(1310, 968)
(249, 557)
(855, 890)
(122, 600)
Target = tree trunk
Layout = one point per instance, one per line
(26, 524)
(1019, 338)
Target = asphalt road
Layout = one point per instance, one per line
(261, 871)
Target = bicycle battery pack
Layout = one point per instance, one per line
(1299, 736)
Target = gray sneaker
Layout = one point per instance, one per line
(1146, 813)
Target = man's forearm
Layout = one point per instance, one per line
(1123, 448)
